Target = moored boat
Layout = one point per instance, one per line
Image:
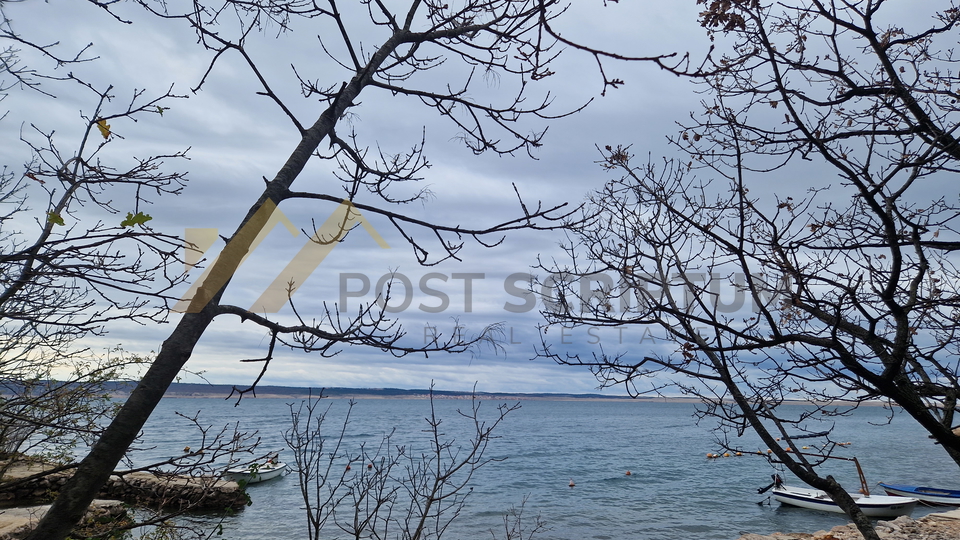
(256, 472)
(871, 505)
(926, 495)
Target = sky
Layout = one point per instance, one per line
(236, 137)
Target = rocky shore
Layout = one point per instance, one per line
(27, 487)
(938, 526)
(23, 483)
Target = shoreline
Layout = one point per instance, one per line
(512, 397)
(934, 526)
(121, 390)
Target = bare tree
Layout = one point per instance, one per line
(394, 491)
(804, 247)
(504, 39)
(73, 263)
(163, 505)
(158, 489)
(15, 72)
(47, 415)
(70, 263)
(77, 255)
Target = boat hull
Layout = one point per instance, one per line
(255, 474)
(872, 506)
(926, 495)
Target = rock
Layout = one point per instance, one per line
(15, 523)
(778, 536)
(930, 527)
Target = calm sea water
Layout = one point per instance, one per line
(674, 492)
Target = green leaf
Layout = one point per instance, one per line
(139, 219)
(55, 218)
(161, 109)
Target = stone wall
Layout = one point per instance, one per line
(139, 489)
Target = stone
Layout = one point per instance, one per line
(15, 523)
(939, 526)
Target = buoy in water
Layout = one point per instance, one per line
(629, 473)
(348, 466)
(369, 465)
(571, 483)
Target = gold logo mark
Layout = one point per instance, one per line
(345, 218)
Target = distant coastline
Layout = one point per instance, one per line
(200, 390)
(122, 389)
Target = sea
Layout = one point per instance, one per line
(673, 491)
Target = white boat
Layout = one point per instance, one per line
(256, 472)
(871, 505)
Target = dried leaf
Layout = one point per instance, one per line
(104, 128)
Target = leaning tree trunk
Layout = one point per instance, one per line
(905, 394)
(80, 490)
(95, 469)
(827, 484)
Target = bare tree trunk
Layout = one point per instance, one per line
(802, 471)
(96, 467)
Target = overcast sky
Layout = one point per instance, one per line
(236, 138)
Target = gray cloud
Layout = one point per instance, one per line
(237, 137)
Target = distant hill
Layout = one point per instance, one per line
(223, 390)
